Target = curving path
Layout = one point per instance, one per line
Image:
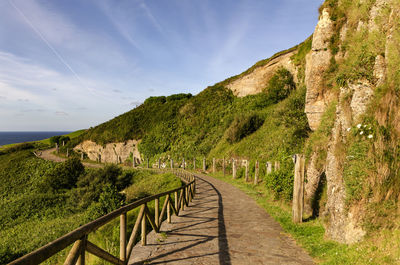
(222, 226)
(48, 155)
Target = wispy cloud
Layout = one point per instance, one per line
(61, 113)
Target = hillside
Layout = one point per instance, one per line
(334, 97)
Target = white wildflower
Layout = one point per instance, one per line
(359, 126)
(370, 136)
(348, 129)
(365, 126)
(361, 133)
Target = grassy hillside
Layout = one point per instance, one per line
(42, 200)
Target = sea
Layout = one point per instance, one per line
(21, 137)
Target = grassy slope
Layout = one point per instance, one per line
(31, 217)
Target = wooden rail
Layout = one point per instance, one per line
(79, 237)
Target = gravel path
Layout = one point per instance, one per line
(48, 155)
(222, 226)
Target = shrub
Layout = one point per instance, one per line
(243, 126)
(64, 175)
(280, 85)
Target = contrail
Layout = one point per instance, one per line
(50, 46)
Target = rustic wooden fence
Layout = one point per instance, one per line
(79, 237)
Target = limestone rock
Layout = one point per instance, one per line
(112, 152)
(310, 187)
(255, 81)
(317, 61)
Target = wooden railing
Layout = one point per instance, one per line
(79, 237)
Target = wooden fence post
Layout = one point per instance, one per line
(183, 165)
(67, 152)
(57, 149)
(144, 241)
(277, 165)
(269, 168)
(223, 166)
(298, 189)
(194, 163)
(122, 237)
(148, 164)
(257, 168)
(247, 171)
(233, 169)
(214, 165)
(204, 164)
(172, 163)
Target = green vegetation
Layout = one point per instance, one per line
(42, 200)
(382, 248)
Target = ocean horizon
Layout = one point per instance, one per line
(13, 137)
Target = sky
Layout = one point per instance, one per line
(72, 64)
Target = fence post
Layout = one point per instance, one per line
(194, 163)
(144, 230)
(81, 259)
(159, 163)
(256, 173)
(277, 165)
(57, 149)
(176, 201)
(298, 189)
(269, 168)
(214, 165)
(82, 156)
(204, 164)
(233, 168)
(183, 161)
(223, 166)
(122, 237)
(247, 171)
(157, 212)
(148, 163)
(67, 152)
(168, 212)
(172, 163)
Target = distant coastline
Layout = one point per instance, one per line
(21, 137)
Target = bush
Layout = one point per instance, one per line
(64, 176)
(280, 85)
(243, 126)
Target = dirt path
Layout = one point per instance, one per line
(222, 226)
(48, 155)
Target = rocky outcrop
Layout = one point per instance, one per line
(111, 152)
(317, 62)
(255, 81)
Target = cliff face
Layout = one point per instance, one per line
(256, 80)
(110, 153)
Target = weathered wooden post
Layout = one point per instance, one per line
(63, 143)
(223, 166)
(157, 212)
(159, 163)
(214, 165)
(57, 149)
(172, 163)
(298, 189)
(247, 171)
(67, 152)
(148, 163)
(194, 163)
(144, 232)
(233, 169)
(204, 164)
(122, 237)
(183, 163)
(277, 165)
(269, 168)
(257, 171)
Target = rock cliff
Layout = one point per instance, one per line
(111, 152)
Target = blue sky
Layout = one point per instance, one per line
(72, 64)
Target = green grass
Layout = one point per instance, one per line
(379, 248)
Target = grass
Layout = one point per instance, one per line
(379, 248)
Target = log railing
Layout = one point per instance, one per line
(79, 237)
